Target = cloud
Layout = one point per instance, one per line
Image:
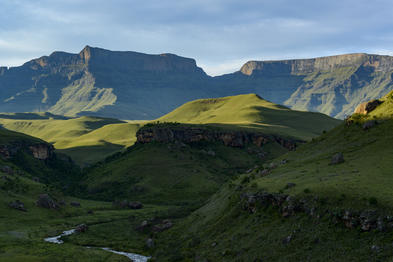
(220, 34)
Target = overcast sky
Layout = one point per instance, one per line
(220, 34)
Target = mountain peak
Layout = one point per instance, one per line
(85, 54)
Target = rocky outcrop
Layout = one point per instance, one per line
(41, 151)
(367, 107)
(168, 133)
(164, 225)
(124, 204)
(18, 205)
(45, 201)
(337, 159)
(369, 124)
(287, 206)
(82, 228)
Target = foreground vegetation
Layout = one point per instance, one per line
(336, 203)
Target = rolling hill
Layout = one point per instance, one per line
(250, 111)
(131, 85)
(85, 139)
(90, 139)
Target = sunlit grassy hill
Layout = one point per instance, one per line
(85, 139)
(90, 139)
(252, 112)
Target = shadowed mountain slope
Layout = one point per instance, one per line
(131, 85)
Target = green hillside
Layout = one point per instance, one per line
(85, 139)
(90, 139)
(171, 173)
(23, 227)
(339, 210)
(252, 112)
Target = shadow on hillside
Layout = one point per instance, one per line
(88, 155)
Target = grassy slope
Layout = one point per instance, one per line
(362, 182)
(85, 139)
(169, 173)
(251, 111)
(22, 233)
(90, 139)
(8, 137)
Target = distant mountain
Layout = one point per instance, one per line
(332, 85)
(131, 85)
(125, 85)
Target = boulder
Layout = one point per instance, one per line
(370, 106)
(337, 159)
(135, 205)
(5, 178)
(290, 185)
(369, 124)
(368, 220)
(127, 204)
(264, 172)
(287, 240)
(18, 205)
(367, 107)
(283, 162)
(7, 170)
(149, 243)
(165, 225)
(82, 228)
(45, 201)
(145, 224)
(75, 204)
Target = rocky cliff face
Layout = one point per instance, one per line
(131, 85)
(101, 82)
(189, 134)
(41, 151)
(306, 66)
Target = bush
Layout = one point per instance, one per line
(245, 180)
(373, 201)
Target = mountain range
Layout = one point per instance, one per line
(131, 85)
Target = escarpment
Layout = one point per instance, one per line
(306, 66)
(192, 134)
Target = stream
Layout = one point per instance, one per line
(131, 256)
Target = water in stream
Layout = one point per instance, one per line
(131, 256)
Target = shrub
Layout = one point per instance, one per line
(373, 201)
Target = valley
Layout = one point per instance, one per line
(234, 178)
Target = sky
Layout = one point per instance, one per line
(220, 34)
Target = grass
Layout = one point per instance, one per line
(22, 233)
(169, 173)
(252, 112)
(90, 139)
(86, 139)
(222, 231)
